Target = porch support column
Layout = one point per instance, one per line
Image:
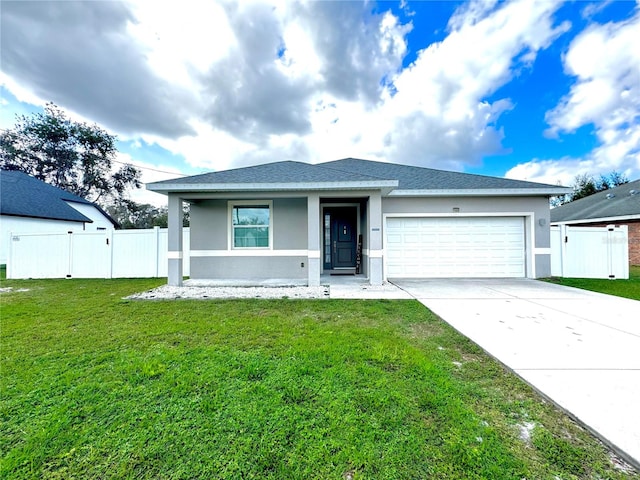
(174, 254)
(313, 233)
(375, 239)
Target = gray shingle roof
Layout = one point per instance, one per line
(352, 170)
(24, 196)
(421, 178)
(616, 202)
(279, 172)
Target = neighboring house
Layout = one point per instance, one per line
(291, 221)
(28, 205)
(616, 206)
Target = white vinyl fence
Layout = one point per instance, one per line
(590, 252)
(103, 254)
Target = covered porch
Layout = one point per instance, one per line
(311, 238)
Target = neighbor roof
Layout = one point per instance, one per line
(352, 173)
(621, 202)
(24, 196)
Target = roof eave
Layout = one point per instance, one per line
(618, 218)
(385, 185)
(41, 217)
(481, 192)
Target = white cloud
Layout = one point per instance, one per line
(604, 60)
(439, 115)
(20, 91)
(181, 41)
(593, 8)
(81, 56)
(226, 84)
(554, 172)
(299, 58)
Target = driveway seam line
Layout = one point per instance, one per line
(582, 318)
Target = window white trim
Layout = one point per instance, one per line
(230, 230)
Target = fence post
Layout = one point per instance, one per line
(156, 232)
(70, 264)
(9, 271)
(563, 249)
(109, 239)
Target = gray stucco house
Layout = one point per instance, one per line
(295, 222)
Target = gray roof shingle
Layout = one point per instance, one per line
(24, 196)
(351, 170)
(278, 172)
(615, 202)
(421, 178)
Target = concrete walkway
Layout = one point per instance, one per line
(581, 349)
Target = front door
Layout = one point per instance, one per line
(340, 242)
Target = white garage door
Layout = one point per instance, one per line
(455, 247)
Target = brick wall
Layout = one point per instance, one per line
(634, 243)
(634, 237)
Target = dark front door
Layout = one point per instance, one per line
(341, 229)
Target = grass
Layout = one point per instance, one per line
(94, 386)
(621, 288)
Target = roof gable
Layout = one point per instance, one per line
(615, 202)
(24, 196)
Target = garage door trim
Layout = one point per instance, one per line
(529, 264)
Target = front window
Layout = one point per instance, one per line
(250, 225)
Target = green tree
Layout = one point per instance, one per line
(130, 214)
(585, 185)
(74, 156)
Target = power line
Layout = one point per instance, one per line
(149, 168)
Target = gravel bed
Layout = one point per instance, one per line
(169, 292)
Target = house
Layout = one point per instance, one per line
(616, 206)
(28, 205)
(292, 221)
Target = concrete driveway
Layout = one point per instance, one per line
(581, 349)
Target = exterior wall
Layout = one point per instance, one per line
(290, 224)
(213, 258)
(634, 243)
(10, 224)
(250, 268)
(100, 222)
(208, 221)
(538, 254)
(634, 236)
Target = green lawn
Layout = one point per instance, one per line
(94, 386)
(622, 288)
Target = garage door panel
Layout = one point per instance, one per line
(455, 247)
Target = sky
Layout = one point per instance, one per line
(536, 90)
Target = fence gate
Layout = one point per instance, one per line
(590, 252)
